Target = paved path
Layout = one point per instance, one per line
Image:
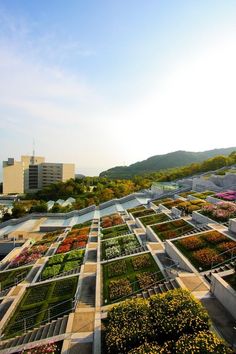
(222, 320)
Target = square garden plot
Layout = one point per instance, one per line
(154, 219)
(207, 249)
(122, 277)
(138, 208)
(171, 229)
(115, 247)
(140, 213)
(61, 263)
(172, 203)
(160, 201)
(115, 231)
(9, 278)
(42, 303)
(189, 206)
(111, 220)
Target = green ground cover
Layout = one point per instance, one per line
(114, 231)
(140, 213)
(112, 248)
(160, 201)
(154, 219)
(42, 303)
(8, 278)
(171, 229)
(202, 195)
(205, 250)
(62, 263)
(138, 208)
(124, 276)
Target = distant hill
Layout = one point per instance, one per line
(160, 162)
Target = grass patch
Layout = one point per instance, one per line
(34, 307)
(8, 278)
(115, 231)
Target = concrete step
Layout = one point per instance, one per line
(158, 289)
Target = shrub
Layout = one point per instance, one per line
(75, 254)
(128, 326)
(119, 288)
(192, 243)
(70, 265)
(50, 272)
(175, 313)
(146, 279)
(207, 256)
(113, 252)
(58, 258)
(228, 246)
(116, 268)
(142, 261)
(36, 294)
(203, 342)
(214, 237)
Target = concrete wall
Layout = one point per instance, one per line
(223, 292)
(202, 219)
(232, 225)
(177, 256)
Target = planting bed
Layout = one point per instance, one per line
(139, 208)
(228, 195)
(111, 220)
(202, 195)
(122, 277)
(160, 201)
(220, 212)
(205, 249)
(191, 205)
(171, 229)
(29, 255)
(172, 203)
(154, 219)
(62, 263)
(139, 214)
(85, 224)
(42, 303)
(8, 278)
(76, 238)
(115, 247)
(115, 231)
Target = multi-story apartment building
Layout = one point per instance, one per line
(32, 173)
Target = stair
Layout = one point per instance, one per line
(224, 267)
(54, 328)
(159, 288)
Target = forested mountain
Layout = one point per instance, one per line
(166, 161)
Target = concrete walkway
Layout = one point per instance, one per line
(222, 320)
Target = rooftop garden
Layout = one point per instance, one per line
(42, 303)
(139, 214)
(138, 208)
(154, 219)
(117, 246)
(115, 231)
(160, 201)
(75, 239)
(124, 276)
(220, 212)
(207, 249)
(61, 263)
(111, 220)
(202, 195)
(189, 206)
(9, 278)
(171, 323)
(171, 229)
(229, 196)
(172, 203)
(29, 255)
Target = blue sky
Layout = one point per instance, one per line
(105, 83)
